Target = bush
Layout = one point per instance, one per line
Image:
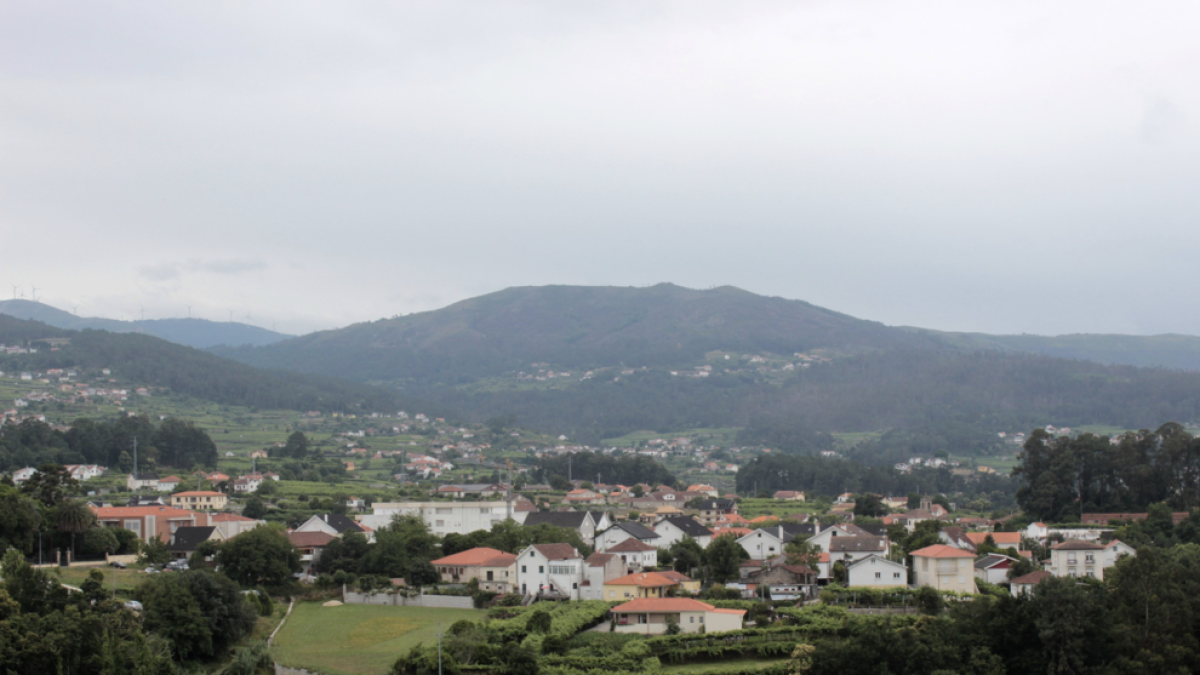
(929, 601)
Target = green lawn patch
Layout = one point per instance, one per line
(741, 665)
(359, 639)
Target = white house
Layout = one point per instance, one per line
(876, 571)
(444, 517)
(993, 568)
(583, 522)
(21, 475)
(555, 569)
(1078, 558)
(598, 569)
(764, 543)
(635, 554)
(672, 530)
(82, 472)
(626, 530)
(142, 481)
(334, 524)
(852, 548)
(1036, 531)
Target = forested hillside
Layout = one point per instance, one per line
(198, 333)
(184, 370)
(574, 327)
(1166, 351)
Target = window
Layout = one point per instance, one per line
(440, 523)
(541, 569)
(1071, 559)
(896, 575)
(879, 575)
(134, 526)
(1089, 558)
(485, 509)
(701, 619)
(691, 619)
(443, 512)
(489, 576)
(523, 570)
(575, 585)
(961, 579)
(612, 594)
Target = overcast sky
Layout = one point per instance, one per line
(1002, 167)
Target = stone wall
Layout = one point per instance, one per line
(399, 599)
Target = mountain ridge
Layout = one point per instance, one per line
(198, 333)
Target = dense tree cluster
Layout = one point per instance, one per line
(511, 537)
(173, 442)
(1062, 477)
(833, 476)
(615, 469)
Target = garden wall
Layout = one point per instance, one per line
(398, 599)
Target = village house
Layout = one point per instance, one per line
(142, 481)
(82, 472)
(993, 568)
(335, 524)
(185, 540)
(786, 581)
(788, 496)
(651, 616)
(550, 570)
(495, 570)
(310, 545)
(875, 571)
(598, 569)
(856, 547)
(169, 483)
(1078, 558)
(199, 500)
(635, 554)
(673, 529)
(149, 522)
(944, 568)
(1024, 585)
(583, 522)
(711, 510)
(640, 585)
(624, 530)
(481, 490)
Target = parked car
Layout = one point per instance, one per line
(134, 605)
(177, 565)
(152, 570)
(118, 564)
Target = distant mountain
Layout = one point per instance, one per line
(149, 360)
(1161, 351)
(199, 333)
(471, 354)
(575, 327)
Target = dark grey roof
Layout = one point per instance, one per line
(340, 523)
(689, 526)
(717, 505)
(861, 542)
(637, 530)
(188, 538)
(597, 515)
(799, 529)
(149, 475)
(147, 500)
(989, 560)
(874, 529)
(570, 519)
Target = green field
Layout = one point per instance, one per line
(359, 639)
(741, 665)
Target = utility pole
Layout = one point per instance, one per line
(135, 466)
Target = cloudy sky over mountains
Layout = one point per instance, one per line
(1016, 167)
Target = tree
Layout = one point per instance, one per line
(74, 517)
(200, 614)
(724, 554)
(98, 541)
(929, 601)
(50, 484)
(20, 519)
(672, 625)
(800, 551)
(869, 505)
(296, 446)
(262, 556)
(539, 622)
(255, 508)
(688, 556)
(183, 444)
(124, 462)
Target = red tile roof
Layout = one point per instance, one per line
(676, 576)
(647, 605)
(1032, 578)
(229, 518)
(557, 551)
(942, 551)
(103, 512)
(1001, 538)
(310, 539)
(643, 580)
(630, 545)
(198, 493)
(471, 557)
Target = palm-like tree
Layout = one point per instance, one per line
(74, 516)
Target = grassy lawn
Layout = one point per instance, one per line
(127, 579)
(359, 639)
(722, 666)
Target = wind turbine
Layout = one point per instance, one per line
(231, 316)
(189, 310)
(75, 310)
(15, 289)
(143, 312)
(33, 292)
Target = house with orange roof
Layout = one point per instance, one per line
(598, 569)
(310, 545)
(149, 522)
(651, 616)
(764, 520)
(945, 568)
(735, 531)
(169, 483)
(635, 554)
(640, 585)
(231, 524)
(495, 570)
(685, 582)
(1001, 539)
(704, 489)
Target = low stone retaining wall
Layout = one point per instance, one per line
(399, 599)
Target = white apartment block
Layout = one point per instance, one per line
(444, 517)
